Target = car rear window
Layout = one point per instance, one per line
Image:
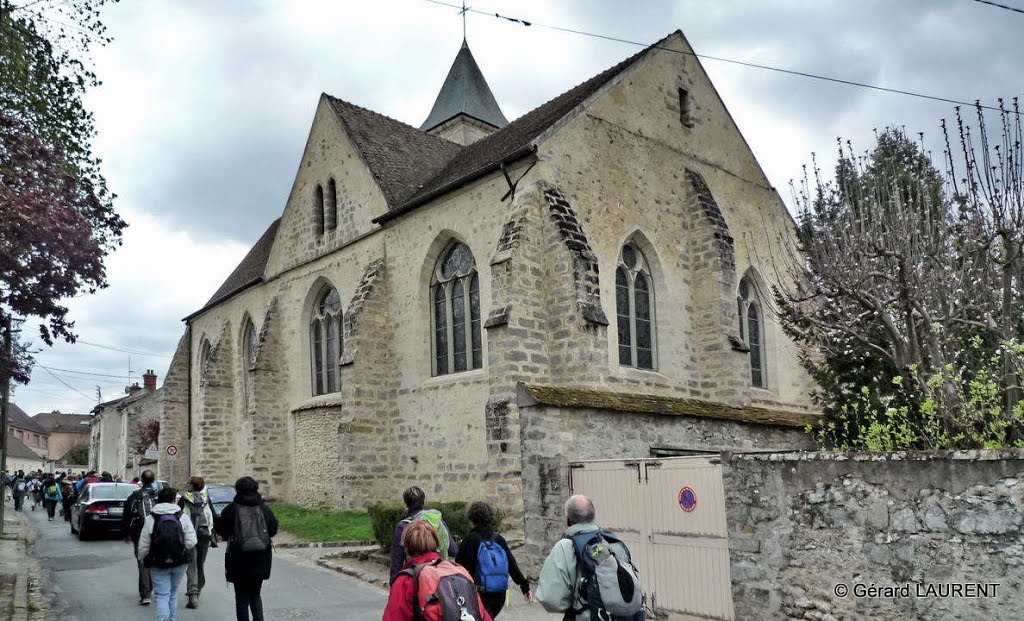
(221, 494)
(111, 492)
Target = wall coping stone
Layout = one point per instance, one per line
(557, 396)
(863, 456)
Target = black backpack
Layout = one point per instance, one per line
(251, 534)
(167, 543)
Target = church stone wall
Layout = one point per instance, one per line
(701, 213)
(328, 154)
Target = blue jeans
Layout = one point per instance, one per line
(165, 590)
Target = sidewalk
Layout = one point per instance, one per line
(20, 596)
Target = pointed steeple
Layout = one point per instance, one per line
(465, 92)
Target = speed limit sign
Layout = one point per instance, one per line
(172, 450)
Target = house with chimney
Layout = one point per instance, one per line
(66, 431)
(117, 427)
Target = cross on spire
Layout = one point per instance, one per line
(463, 13)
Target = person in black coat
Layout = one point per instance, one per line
(481, 516)
(246, 570)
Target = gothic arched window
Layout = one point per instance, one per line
(318, 209)
(250, 343)
(634, 308)
(455, 312)
(331, 206)
(326, 341)
(751, 318)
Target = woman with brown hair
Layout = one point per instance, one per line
(422, 572)
(492, 575)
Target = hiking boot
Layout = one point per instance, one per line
(193, 600)
(144, 601)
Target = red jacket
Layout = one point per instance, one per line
(400, 602)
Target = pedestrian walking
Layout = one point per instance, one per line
(51, 496)
(415, 499)
(195, 504)
(248, 526)
(164, 544)
(35, 488)
(487, 557)
(18, 490)
(415, 592)
(588, 575)
(137, 508)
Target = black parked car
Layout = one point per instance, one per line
(99, 508)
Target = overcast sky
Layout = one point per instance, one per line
(206, 106)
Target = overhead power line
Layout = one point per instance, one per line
(733, 61)
(73, 371)
(123, 350)
(1001, 6)
(56, 377)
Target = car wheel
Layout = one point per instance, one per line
(73, 529)
(82, 536)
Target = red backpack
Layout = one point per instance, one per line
(444, 591)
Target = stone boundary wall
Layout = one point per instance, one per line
(802, 523)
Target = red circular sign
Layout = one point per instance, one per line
(172, 450)
(687, 499)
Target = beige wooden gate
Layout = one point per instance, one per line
(671, 514)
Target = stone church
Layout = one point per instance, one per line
(474, 304)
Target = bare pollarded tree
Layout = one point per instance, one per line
(986, 175)
(896, 291)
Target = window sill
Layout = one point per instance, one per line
(639, 373)
(765, 393)
(451, 378)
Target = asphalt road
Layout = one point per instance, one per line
(98, 580)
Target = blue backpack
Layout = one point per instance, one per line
(492, 567)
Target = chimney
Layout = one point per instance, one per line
(134, 388)
(149, 380)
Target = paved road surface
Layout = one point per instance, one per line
(98, 580)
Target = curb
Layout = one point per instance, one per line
(323, 544)
(353, 573)
(28, 604)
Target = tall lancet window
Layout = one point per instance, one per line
(455, 312)
(634, 307)
(751, 316)
(326, 341)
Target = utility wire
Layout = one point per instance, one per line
(123, 350)
(804, 74)
(1001, 6)
(80, 372)
(52, 374)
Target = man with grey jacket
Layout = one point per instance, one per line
(558, 588)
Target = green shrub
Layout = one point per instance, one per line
(385, 517)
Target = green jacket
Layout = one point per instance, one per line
(558, 586)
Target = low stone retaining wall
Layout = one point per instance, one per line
(924, 536)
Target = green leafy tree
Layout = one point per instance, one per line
(77, 455)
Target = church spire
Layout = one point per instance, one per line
(465, 92)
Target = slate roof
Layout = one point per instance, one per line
(465, 91)
(58, 422)
(671, 406)
(411, 166)
(399, 156)
(16, 417)
(17, 449)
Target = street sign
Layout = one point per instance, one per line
(172, 450)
